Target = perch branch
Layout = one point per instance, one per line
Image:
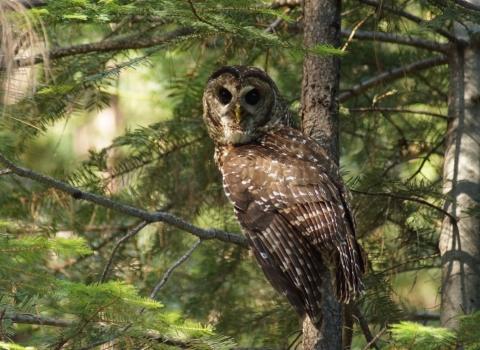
(149, 217)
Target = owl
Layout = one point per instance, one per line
(288, 195)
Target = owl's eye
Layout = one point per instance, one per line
(224, 96)
(252, 97)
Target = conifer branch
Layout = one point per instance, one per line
(467, 5)
(38, 320)
(113, 45)
(409, 262)
(197, 16)
(413, 199)
(62, 323)
(396, 39)
(392, 75)
(397, 110)
(149, 217)
(409, 16)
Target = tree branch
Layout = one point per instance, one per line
(364, 326)
(173, 267)
(426, 158)
(166, 276)
(409, 16)
(113, 45)
(6, 172)
(371, 343)
(30, 4)
(467, 5)
(409, 262)
(149, 217)
(397, 110)
(38, 320)
(132, 233)
(54, 322)
(413, 199)
(392, 75)
(396, 39)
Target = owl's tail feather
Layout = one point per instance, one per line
(350, 269)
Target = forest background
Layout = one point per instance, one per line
(102, 123)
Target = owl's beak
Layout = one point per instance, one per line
(238, 115)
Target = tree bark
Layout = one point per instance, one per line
(321, 75)
(460, 241)
(319, 113)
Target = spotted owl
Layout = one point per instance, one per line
(287, 194)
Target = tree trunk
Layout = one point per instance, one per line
(319, 114)
(460, 242)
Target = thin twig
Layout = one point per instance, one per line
(427, 156)
(371, 343)
(167, 275)
(392, 75)
(364, 326)
(409, 262)
(149, 217)
(272, 26)
(119, 243)
(276, 23)
(173, 267)
(397, 110)
(413, 199)
(197, 16)
(353, 31)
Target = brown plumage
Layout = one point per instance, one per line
(288, 195)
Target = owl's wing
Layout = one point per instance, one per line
(291, 274)
(288, 186)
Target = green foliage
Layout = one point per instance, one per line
(53, 248)
(415, 336)
(468, 334)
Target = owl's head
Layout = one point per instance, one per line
(241, 103)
